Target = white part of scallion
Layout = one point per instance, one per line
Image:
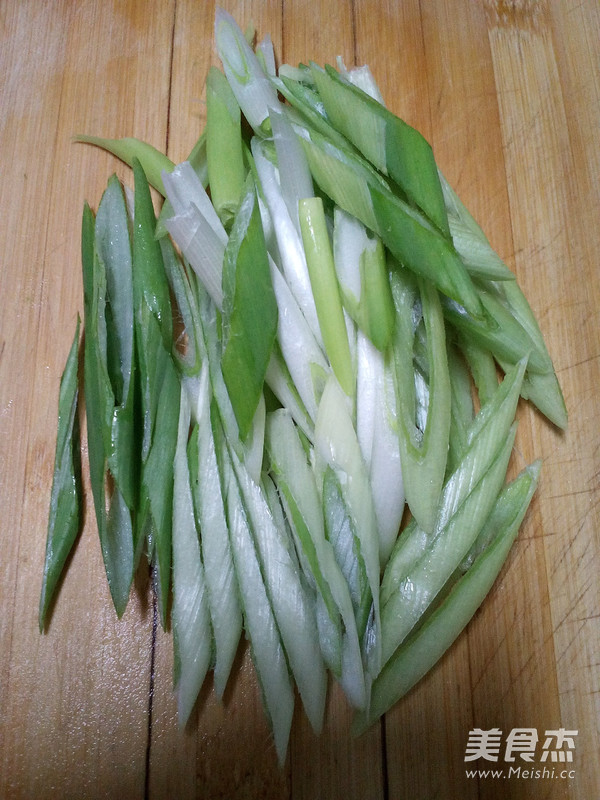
(223, 600)
(184, 188)
(251, 86)
(289, 601)
(201, 248)
(349, 240)
(289, 242)
(190, 614)
(303, 356)
(196, 228)
(376, 426)
(268, 653)
(337, 444)
(300, 497)
(294, 172)
(361, 77)
(265, 50)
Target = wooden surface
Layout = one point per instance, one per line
(509, 95)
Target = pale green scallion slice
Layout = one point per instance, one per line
(423, 452)
(425, 647)
(224, 156)
(321, 269)
(192, 637)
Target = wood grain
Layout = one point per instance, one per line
(508, 93)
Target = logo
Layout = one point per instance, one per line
(528, 754)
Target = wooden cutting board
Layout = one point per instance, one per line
(508, 93)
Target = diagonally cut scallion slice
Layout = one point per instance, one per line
(427, 645)
(65, 501)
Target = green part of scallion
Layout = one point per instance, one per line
(159, 385)
(498, 331)
(109, 387)
(357, 188)
(321, 269)
(482, 366)
(542, 389)
(116, 338)
(461, 406)
(224, 156)
(249, 311)
(128, 149)
(429, 642)
(389, 143)
(65, 500)
(470, 241)
(377, 314)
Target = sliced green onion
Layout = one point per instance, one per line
(249, 312)
(268, 654)
(335, 614)
(423, 450)
(394, 147)
(128, 149)
(109, 420)
(402, 608)
(192, 638)
(159, 382)
(470, 241)
(65, 501)
(220, 579)
(429, 642)
(252, 87)
(226, 171)
(321, 269)
(338, 447)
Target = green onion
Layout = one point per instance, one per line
(192, 637)
(427, 645)
(226, 172)
(321, 269)
(65, 501)
(217, 558)
(394, 147)
(128, 149)
(249, 312)
(259, 620)
(262, 391)
(159, 386)
(423, 450)
(109, 411)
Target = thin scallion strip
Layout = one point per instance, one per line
(429, 642)
(321, 269)
(423, 452)
(65, 501)
(192, 637)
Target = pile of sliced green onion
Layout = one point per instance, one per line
(300, 388)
